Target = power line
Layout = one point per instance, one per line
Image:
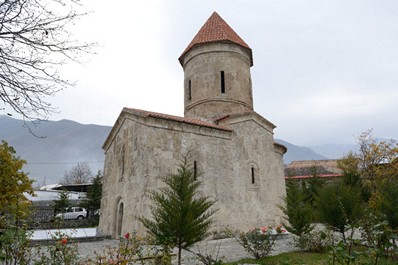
(61, 163)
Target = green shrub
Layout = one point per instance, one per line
(180, 216)
(340, 206)
(258, 242)
(315, 241)
(387, 202)
(15, 246)
(379, 238)
(342, 253)
(298, 213)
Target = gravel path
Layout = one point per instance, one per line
(228, 249)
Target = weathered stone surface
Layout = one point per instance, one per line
(202, 68)
(241, 167)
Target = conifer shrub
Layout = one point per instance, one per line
(180, 217)
(298, 214)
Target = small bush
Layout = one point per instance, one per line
(316, 241)
(259, 242)
(129, 249)
(379, 238)
(207, 257)
(62, 251)
(15, 246)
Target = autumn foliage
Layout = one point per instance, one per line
(14, 207)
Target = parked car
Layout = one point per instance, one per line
(73, 213)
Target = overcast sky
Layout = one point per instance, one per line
(323, 70)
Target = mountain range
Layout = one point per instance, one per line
(57, 146)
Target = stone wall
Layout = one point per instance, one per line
(153, 148)
(202, 68)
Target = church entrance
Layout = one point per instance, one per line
(119, 220)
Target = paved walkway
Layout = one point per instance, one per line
(228, 249)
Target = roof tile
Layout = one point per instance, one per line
(215, 30)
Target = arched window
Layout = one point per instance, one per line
(253, 175)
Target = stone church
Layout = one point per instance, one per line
(232, 146)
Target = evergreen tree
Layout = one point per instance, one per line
(352, 175)
(311, 188)
(62, 203)
(92, 201)
(387, 203)
(180, 216)
(298, 212)
(340, 206)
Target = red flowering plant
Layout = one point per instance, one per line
(63, 250)
(280, 230)
(130, 249)
(259, 242)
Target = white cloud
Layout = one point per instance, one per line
(323, 70)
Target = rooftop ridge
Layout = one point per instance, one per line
(334, 175)
(216, 30)
(178, 119)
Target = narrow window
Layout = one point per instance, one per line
(222, 82)
(194, 170)
(253, 177)
(189, 90)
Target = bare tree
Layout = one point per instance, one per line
(35, 39)
(79, 174)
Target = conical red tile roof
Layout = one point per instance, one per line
(216, 30)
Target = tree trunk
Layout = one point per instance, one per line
(179, 254)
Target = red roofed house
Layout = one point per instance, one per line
(233, 146)
(306, 169)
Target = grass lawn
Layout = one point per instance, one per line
(296, 258)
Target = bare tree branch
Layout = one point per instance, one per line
(79, 174)
(35, 39)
